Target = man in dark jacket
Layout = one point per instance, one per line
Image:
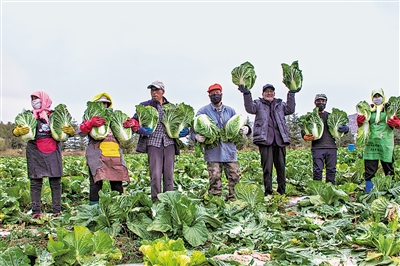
(270, 132)
(160, 148)
(324, 150)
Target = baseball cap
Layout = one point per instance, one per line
(266, 86)
(215, 86)
(157, 84)
(320, 96)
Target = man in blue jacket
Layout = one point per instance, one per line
(222, 157)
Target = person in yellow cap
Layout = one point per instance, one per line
(43, 154)
(380, 143)
(104, 157)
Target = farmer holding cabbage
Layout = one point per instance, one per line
(323, 146)
(270, 132)
(103, 154)
(220, 156)
(154, 140)
(380, 117)
(43, 152)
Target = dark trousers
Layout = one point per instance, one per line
(36, 192)
(321, 158)
(161, 164)
(95, 187)
(371, 167)
(275, 155)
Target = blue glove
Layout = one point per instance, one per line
(242, 88)
(296, 91)
(184, 132)
(145, 131)
(343, 129)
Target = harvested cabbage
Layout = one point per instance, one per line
(337, 119)
(244, 75)
(117, 128)
(292, 76)
(98, 109)
(147, 116)
(26, 118)
(59, 118)
(230, 132)
(176, 118)
(311, 123)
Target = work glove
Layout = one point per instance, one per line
(394, 122)
(21, 130)
(244, 130)
(343, 129)
(183, 133)
(97, 121)
(295, 91)
(360, 120)
(200, 138)
(145, 131)
(131, 123)
(308, 137)
(242, 88)
(68, 130)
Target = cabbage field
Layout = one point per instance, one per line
(313, 224)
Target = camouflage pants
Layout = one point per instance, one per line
(231, 170)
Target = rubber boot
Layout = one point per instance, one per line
(94, 202)
(368, 186)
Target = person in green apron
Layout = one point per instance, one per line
(380, 143)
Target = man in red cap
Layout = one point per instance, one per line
(222, 157)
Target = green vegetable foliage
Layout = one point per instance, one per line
(363, 108)
(336, 119)
(26, 118)
(230, 132)
(311, 123)
(117, 128)
(244, 75)
(292, 76)
(98, 109)
(147, 116)
(59, 118)
(177, 117)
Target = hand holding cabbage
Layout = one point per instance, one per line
(68, 130)
(23, 120)
(244, 76)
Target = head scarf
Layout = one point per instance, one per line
(378, 108)
(46, 104)
(98, 96)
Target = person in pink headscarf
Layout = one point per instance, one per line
(43, 154)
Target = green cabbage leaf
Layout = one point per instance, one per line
(393, 108)
(59, 118)
(26, 118)
(230, 132)
(336, 119)
(98, 109)
(244, 75)
(292, 76)
(363, 108)
(311, 123)
(117, 128)
(147, 116)
(205, 126)
(177, 117)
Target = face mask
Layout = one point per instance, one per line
(36, 104)
(377, 101)
(321, 106)
(216, 98)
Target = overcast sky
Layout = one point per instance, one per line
(76, 49)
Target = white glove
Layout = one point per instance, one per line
(244, 130)
(200, 138)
